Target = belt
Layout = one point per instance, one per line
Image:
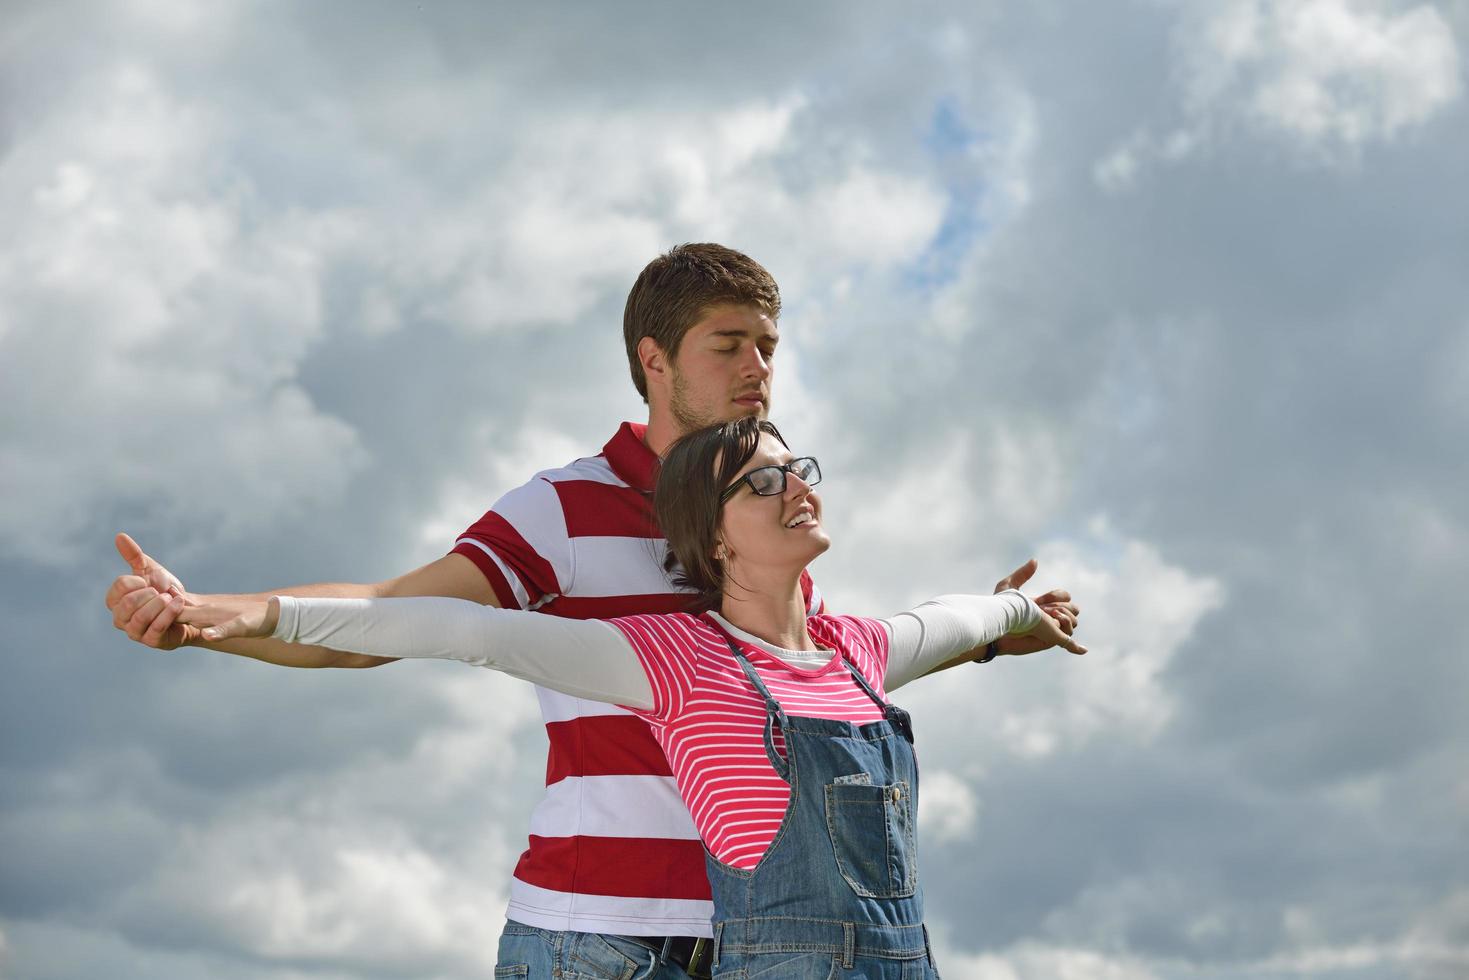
(691, 955)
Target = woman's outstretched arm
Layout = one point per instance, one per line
(584, 658)
(952, 629)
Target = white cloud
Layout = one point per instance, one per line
(1342, 71)
(152, 329)
(290, 891)
(1034, 961)
(342, 866)
(1416, 954)
(554, 226)
(947, 807)
(467, 494)
(946, 519)
(1138, 610)
(51, 950)
(1328, 76)
(1119, 168)
(185, 305)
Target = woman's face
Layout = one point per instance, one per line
(782, 530)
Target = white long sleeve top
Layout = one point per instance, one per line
(591, 658)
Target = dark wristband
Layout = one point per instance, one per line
(990, 652)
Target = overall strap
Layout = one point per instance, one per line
(862, 683)
(895, 715)
(774, 713)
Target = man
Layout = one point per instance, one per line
(613, 877)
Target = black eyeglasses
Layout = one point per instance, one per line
(768, 481)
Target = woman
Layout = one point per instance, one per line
(800, 777)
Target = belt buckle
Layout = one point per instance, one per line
(701, 958)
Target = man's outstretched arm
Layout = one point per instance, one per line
(145, 605)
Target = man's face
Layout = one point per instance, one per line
(723, 370)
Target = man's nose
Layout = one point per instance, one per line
(756, 365)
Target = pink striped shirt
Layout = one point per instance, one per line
(710, 720)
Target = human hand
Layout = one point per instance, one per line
(1056, 603)
(145, 603)
(1057, 606)
(1042, 636)
(225, 619)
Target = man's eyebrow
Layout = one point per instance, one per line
(743, 333)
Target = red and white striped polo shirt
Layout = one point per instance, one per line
(612, 848)
(710, 720)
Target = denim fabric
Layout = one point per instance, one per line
(542, 954)
(837, 893)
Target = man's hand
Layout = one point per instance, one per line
(224, 620)
(1061, 612)
(1044, 635)
(146, 603)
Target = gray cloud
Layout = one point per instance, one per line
(294, 296)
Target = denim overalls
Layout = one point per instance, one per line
(837, 893)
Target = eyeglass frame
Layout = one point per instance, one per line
(784, 470)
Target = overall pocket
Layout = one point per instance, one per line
(871, 830)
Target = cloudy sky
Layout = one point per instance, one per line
(1171, 295)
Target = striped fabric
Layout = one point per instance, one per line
(711, 721)
(612, 848)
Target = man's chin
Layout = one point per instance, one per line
(687, 422)
(742, 409)
(737, 411)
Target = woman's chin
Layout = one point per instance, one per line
(818, 543)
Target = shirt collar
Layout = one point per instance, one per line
(631, 459)
(821, 659)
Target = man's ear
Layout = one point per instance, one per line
(654, 359)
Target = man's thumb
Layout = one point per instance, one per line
(132, 554)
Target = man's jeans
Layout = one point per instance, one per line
(541, 954)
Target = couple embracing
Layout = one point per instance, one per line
(730, 792)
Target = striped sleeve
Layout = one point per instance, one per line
(668, 647)
(521, 546)
(865, 642)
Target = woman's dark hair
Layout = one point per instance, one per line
(695, 470)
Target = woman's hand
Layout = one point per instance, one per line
(1055, 627)
(237, 618)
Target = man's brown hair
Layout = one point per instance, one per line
(678, 289)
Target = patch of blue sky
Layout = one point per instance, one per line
(954, 144)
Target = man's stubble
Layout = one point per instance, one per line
(691, 418)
